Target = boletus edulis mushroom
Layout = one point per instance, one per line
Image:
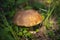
(27, 18)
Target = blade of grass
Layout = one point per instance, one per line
(10, 28)
(46, 21)
(49, 13)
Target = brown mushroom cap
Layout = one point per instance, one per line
(27, 18)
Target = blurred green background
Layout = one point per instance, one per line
(48, 8)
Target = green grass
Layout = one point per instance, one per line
(9, 31)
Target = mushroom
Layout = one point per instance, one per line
(27, 18)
